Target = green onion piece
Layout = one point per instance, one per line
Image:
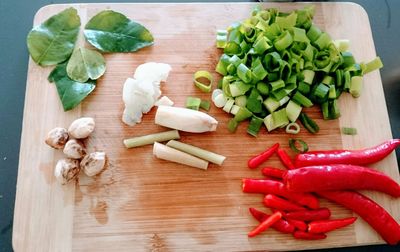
(228, 105)
(339, 77)
(241, 100)
(302, 100)
(258, 71)
(284, 100)
(348, 59)
(271, 104)
(308, 65)
(261, 45)
(238, 88)
(235, 60)
(308, 123)
(204, 104)
(263, 88)
(293, 111)
(277, 84)
(293, 128)
(231, 48)
(308, 76)
(323, 41)
(221, 40)
(328, 80)
(299, 35)
(373, 65)
(332, 92)
(313, 33)
(269, 123)
(288, 21)
(308, 53)
(272, 31)
(272, 62)
(223, 64)
(304, 88)
(203, 80)
(254, 126)
(193, 103)
(197, 152)
(347, 81)
(150, 139)
(290, 87)
(279, 94)
(334, 111)
(222, 32)
(294, 141)
(320, 93)
(232, 125)
(356, 86)
(349, 131)
(342, 44)
(283, 41)
(285, 71)
(254, 101)
(235, 109)
(325, 110)
(244, 73)
(280, 118)
(242, 114)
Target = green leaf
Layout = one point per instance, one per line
(71, 92)
(85, 64)
(54, 40)
(110, 31)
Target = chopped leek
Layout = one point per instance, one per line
(349, 131)
(293, 142)
(204, 104)
(228, 105)
(193, 103)
(308, 123)
(293, 111)
(356, 86)
(254, 126)
(293, 128)
(203, 80)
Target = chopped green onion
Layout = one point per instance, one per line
(193, 103)
(342, 44)
(238, 88)
(304, 88)
(263, 88)
(332, 92)
(223, 64)
(356, 86)
(293, 111)
(313, 33)
(204, 104)
(269, 123)
(254, 126)
(197, 152)
(235, 109)
(320, 93)
(286, 22)
(228, 105)
(308, 76)
(325, 110)
(152, 138)
(308, 123)
(254, 101)
(293, 128)
(349, 131)
(244, 73)
(323, 41)
(271, 104)
(280, 118)
(373, 65)
(203, 85)
(277, 84)
(222, 37)
(261, 45)
(242, 114)
(299, 35)
(232, 125)
(241, 100)
(283, 41)
(302, 100)
(294, 141)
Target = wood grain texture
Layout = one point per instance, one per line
(140, 203)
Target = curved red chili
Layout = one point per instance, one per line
(370, 211)
(272, 172)
(339, 177)
(285, 159)
(308, 236)
(323, 226)
(275, 202)
(309, 215)
(254, 162)
(281, 225)
(267, 186)
(355, 157)
(300, 225)
(265, 224)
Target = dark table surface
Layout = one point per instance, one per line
(16, 18)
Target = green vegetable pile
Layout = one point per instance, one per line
(276, 63)
(53, 43)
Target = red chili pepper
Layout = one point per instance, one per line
(308, 236)
(370, 211)
(323, 226)
(268, 222)
(281, 225)
(254, 162)
(339, 177)
(285, 159)
(266, 186)
(310, 215)
(355, 157)
(300, 225)
(272, 172)
(273, 201)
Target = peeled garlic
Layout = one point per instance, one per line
(81, 128)
(184, 119)
(74, 149)
(66, 170)
(93, 163)
(57, 138)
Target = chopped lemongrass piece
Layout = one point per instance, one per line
(203, 80)
(197, 152)
(292, 145)
(293, 128)
(150, 139)
(356, 86)
(228, 105)
(349, 131)
(193, 103)
(235, 109)
(373, 65)
(308, 123)
(204, 104)
(185, 119)
(220, 101)
(254, 126)
(170, 154)
(165, 101)
(293, 111)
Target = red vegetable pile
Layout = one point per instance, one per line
(334, 175)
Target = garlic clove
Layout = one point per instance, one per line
(66, 170)
(74, 149)
(93, 163)
(81, 128)
(57, 138)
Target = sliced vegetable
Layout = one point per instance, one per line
(203, 80)
(272, 172)
(349, 131)
(285, 159)
(308, 123)
(111, 31)
(293, 128)
(323, 226)
(204, 104)
(310, 215)
(167, 153)
(255, 126)
(265, 224)
(150, 139)
(293, 145)
(193, 103)
(275, 202)
(254, 162)
(197, 152)
(281, 225)
(302, 235)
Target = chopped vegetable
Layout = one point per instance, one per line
(355, 157)
(193, 103)
(204, 104)
(203, 80)
(254, 162)
(308, 123)
(152, 138)
(349, 131)
(302, 235)
(272, 172)
(292, 145)
(323, 226)
(167, 153)
(310, 215)
(285, 159)
(292, 128)
(197, 152)
(185, 119)
(275, 202)
(281, 225)
(255, 126)
(265, 224)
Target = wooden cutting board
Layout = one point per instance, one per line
(140, 203)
